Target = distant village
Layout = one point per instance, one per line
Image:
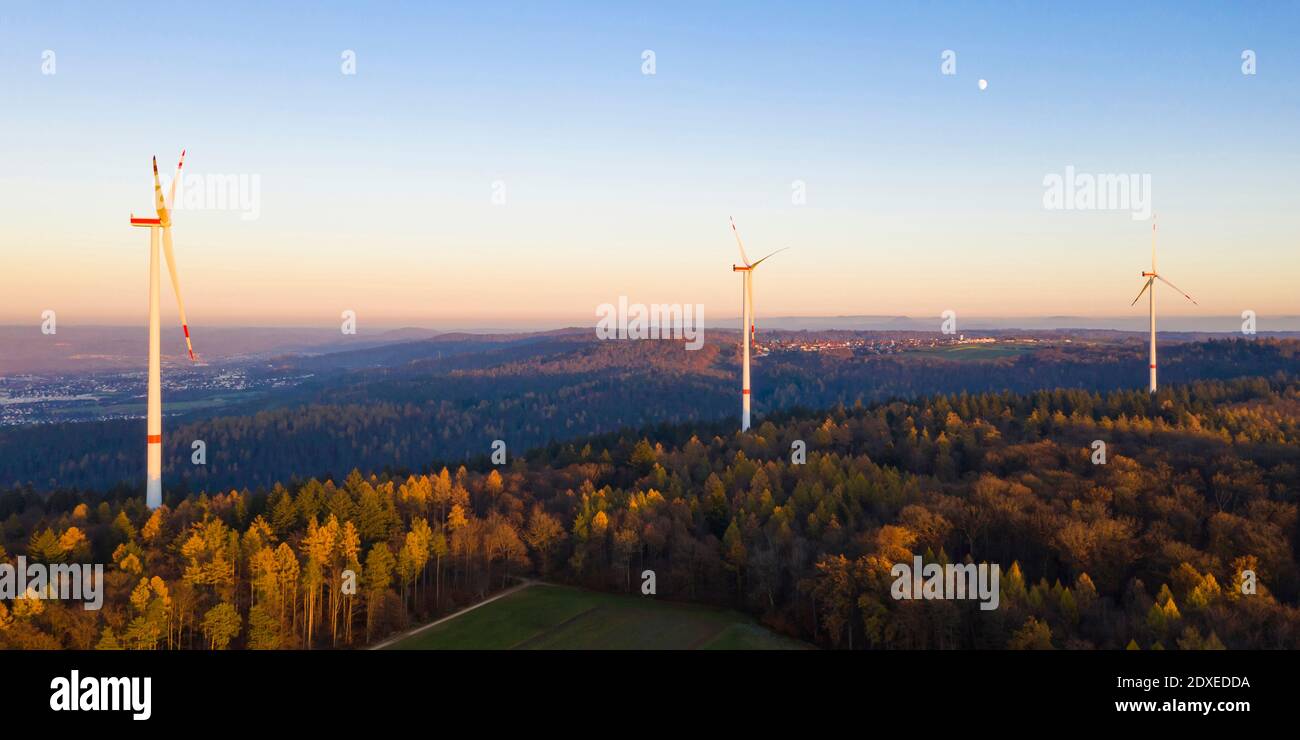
(858, 345)
(32, 398)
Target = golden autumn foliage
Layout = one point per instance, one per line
(1181, 540)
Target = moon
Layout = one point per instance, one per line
(984, 84)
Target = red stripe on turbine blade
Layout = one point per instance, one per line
(186, 329)
(155, 439)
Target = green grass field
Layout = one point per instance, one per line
(545, 617)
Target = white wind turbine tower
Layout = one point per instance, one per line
(746, 320)
(1151, 286)
(162, 223)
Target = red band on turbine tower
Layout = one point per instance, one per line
(745, 391)
(155, 439)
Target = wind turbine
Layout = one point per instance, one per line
(161, 223)
(746, 320)
(1150, 285)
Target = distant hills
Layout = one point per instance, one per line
(1134, 323)
(76, 348)
(72, 349)
(409, 405)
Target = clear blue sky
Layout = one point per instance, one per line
(923, 193)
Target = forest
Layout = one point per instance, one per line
(1148, 548)
(419, 410)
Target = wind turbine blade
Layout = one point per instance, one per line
(1175, 287)
(782, 249)
(739, 243)
(176, 285)
(1145, 285)
(171, 192)
(159, 204)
